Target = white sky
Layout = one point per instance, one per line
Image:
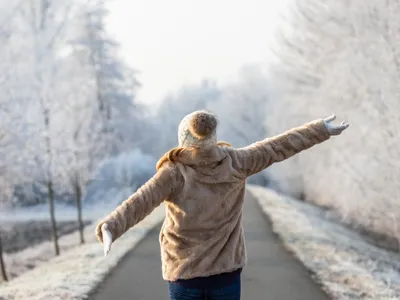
(173, 42)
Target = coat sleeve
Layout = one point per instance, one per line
(260, 155)
(140, 204)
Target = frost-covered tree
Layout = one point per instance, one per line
(241, 107)
(115, 83)
(2, 265)
(40, 28)
(11, 111)
(344, 57)
(77, 142)
(114, 117)
(100, 97)
(61, 77)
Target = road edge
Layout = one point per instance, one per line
(319, 252)
(77, 272)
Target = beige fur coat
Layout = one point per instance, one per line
(202, 233)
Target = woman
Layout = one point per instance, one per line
(202, 183)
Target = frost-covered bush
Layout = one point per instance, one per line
(118, 177)
(343, 57)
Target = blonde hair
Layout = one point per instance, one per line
(174, 153)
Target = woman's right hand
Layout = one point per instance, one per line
(104, 235)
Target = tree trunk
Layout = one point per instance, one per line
(41, 51)
(50, 189)
(54, 234)
(78, 194)
(2, 265)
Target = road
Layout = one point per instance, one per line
(272, 272)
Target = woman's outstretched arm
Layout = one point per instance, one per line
(140, 204)
(260, 155)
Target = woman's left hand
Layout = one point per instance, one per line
(335, 129)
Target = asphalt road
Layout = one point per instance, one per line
(272, 272)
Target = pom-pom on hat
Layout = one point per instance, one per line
(198, 129)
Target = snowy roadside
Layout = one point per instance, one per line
(17, 236)
(21, 261)
(346, 266)
(79, 269)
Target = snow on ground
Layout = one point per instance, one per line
(62, 212)
(22, 261)
(40, 250)
(80, 268)
(17, 236)
(30, 247)
(344, 264)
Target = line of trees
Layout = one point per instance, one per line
(68, 102)
(340, 56)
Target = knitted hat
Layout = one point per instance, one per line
(198, 129)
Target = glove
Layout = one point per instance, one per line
(104, 235)
(332, 128)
